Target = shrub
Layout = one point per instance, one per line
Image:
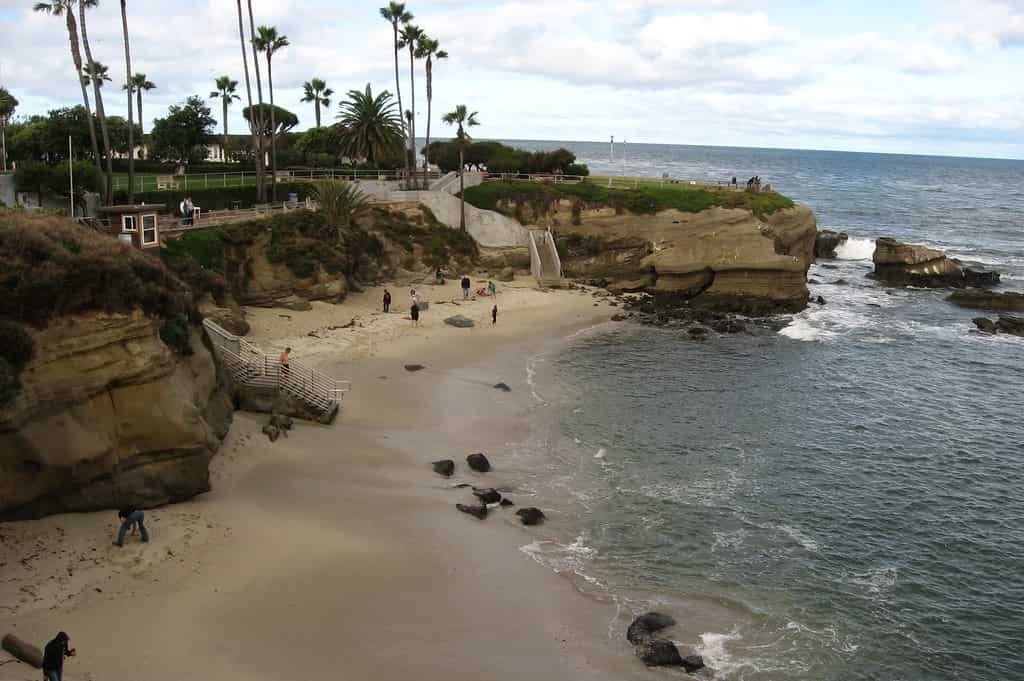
(577, 214)
(175, 334)
(16, 344)
(9, 382)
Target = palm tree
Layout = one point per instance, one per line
(97, 83)
(371, 128)
(226, 92)
(463, 119)
(268, 41)
(66, 8)
(137, 84)
(396, 14)
(316, 91)
(96, 74)
(128, 78)
(429, 48)
(262, 156)
(340, 203)
(256, 146)
(7, 106)
(409, 36)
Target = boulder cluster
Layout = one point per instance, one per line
(901, 264)
(655, 651)
(486, 498)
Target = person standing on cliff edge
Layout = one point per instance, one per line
(53, 657)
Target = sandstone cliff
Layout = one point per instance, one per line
(108, 415)
(723, 258)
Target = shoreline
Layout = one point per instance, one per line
(337, 549)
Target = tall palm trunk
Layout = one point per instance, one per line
(138, 96)
(430, 97)
(316, 107)
(462, 191)
(260, 162)
(76, 57)
(398, 94)
(412, 87)
(273, 132)
(131, 130)
(224, 146)
(100, 112)
(256, 148)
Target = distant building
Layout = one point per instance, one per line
(137, 225)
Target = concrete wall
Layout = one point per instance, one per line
(490, 229)
(7, 190)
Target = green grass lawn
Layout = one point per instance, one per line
(645, 197)
(148, 182)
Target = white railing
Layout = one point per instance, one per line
(148, 182)
(535, 267)
(248, 365)
(609, 181)
(554, 252)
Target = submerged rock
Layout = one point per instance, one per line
(478, 462)
(487, 495)
(476, 510)
(531, 515)
(1013, 324)
(460, 321)
(445, 467)
(660, 652)
(980, 278)
(984, 299)
(985, 325)
(645, 626)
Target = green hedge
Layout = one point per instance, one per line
(213, 199)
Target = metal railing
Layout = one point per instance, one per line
(147, 182)
(609, 181)
(248, 365)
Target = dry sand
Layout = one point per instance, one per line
(335, 552)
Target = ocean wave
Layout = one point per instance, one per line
(799, 537)
(712, 648)
(564, 558)
(856, 249)
(877, 581)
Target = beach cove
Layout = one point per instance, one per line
(337, 551)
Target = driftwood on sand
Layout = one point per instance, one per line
(26, 652)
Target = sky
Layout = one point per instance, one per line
(903, 76)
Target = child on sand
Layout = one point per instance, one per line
(492, 289)
(131, 518)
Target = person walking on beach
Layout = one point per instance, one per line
(466, 284)
(387, 300)
(53, 657)
(492, 289)
(131, 518)
(414, 297)
(494, 315)
(286, 363)
(414, 312)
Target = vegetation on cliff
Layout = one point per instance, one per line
(520, 199)
(50, 267)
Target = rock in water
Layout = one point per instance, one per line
(478, 462)
(26, 652)
(902, 264)
(531, 515)
(414, 367)
(660, 652)
(820, 300)
(827, 241)
(1009, 323)
(503, 387)
(983, 299)
(692, 663)
(985, 325)
(487, 495)
(644, 627)
(980, 278)
(460, 322)
(444, 467)
(476, 510)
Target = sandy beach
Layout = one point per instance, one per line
(336, 552)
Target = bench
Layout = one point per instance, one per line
(166, 182)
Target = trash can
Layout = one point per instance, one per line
(293, 197)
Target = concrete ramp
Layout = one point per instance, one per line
(545, 264)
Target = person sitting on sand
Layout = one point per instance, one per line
(387, 300)
(53, 657)
(414, 312)
(131, 518)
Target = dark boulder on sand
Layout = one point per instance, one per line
(414, 367)
(478, 462)
(660, 652)
(487, 495)
(502, 387)
(460, 321)
(531, 515)
(444, 467)
(477, 510)
(505, 501)
(645, 626)
(692, 663)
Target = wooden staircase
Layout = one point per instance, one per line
(249, 366)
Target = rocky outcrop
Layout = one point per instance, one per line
(255, 280)
(229, 315)
(900, 264)
(1007, 323)
(722, 259)
(109, 415)
(645, 626)
(984, 299)
(827, 241)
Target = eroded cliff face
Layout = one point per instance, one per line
(727, 259)
(109, 415)
(255, 280)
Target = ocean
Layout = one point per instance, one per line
(843, 500)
